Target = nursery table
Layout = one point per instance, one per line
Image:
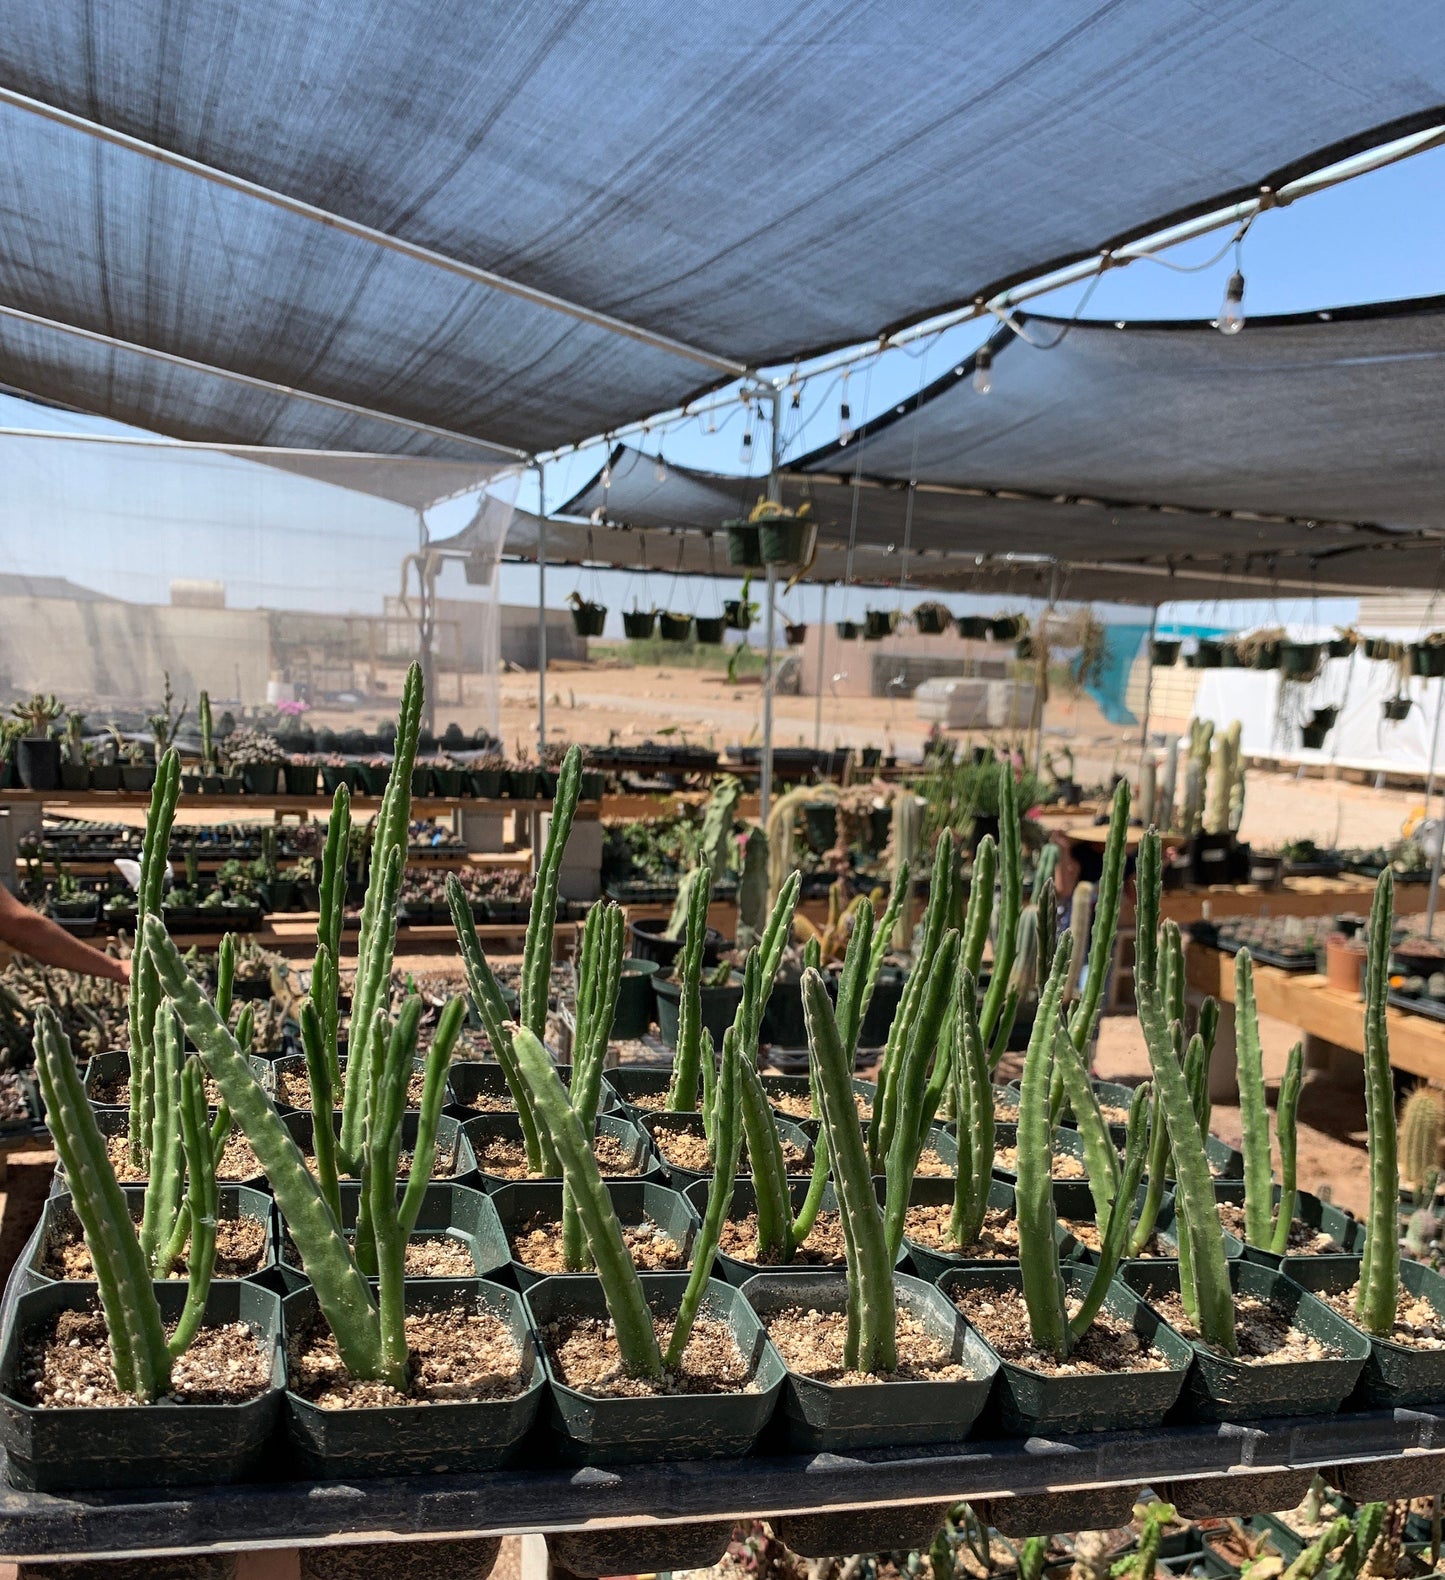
(639, 1518)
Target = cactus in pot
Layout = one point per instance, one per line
(1264, 1226)
(1378, 1291)
(717, 823)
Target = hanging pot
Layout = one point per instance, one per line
(674, 627)
(1340, 647)
(1208, 655)
(931, 619)
(1396, 708)
(783, 540)
(795, 634)
(1230, 657)
(743, 546)
(589, 619)
(973, 626)
(1005, 628)
(1267, 655)
(1382, 648)
(1164, 653)
(1324, 718)
(878, 623)
(1312, 736)
(639, 624)
(848, 630)
(1025, 650)
(1427, 659)
(709, 629)
(1299, 660)
(738, 614)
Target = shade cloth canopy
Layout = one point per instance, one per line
(758, 183)
(958, 537)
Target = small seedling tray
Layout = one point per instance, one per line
(1432, 1009)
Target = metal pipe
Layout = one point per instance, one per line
(822, 669)
(1434, 746)
(368, 233)
(775, 496)
(541, 616)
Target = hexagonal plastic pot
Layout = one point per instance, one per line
(639, 1081)
(1394, 1374)
(236, 1201)
(1222, 1388)
(294, 1066)
(1072, 1197)
(931, 1264)
(419, 1440)
(829, 1417)
(481, 1128)
(116, 1122)
(455, 1151)
(105, 1067)
(1033, 1402)
(680, 1178)
(1315, 1214)
(473, 1078)
(599, 1431)
(460, 1212)
(632, 1200)
(155, 1445)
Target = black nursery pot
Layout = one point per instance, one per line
(459, 1212)
(419, 1440)
(599, 1431)
(116, 1122)
(1221, 1388)
(158, 1445)
(1032, 1403)
(639, 1081)
(719, 1005)
(481, 1127)
(680, 1178)
(647, 943)
(1394, 1375)
(455, 1157)
(634, 1201)
(38, 763)
(823, 1417)
(57, 1220)
(636, 1003)
(294, 1065)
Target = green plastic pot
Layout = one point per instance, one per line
(634, 1201)
(675, 1119)
(1427, 659)
(1345, 1230)
(159, 1445)
(681, 1426)
(450, 782)
(738, 614)
(589, 619)
(105, 776)
(410, 1440)
(639, 624)
(458, 1212)
(423, 782)
(1394, 1375)
(925, 1191)
(1299, 660)
(878, 623)
(719, 1005)
(1221, 1388)
(137, 778)
(783, 540)
(636, 1002)
(522, 784)
(743, 546)
(57, 1219)
(301, 778)
(293, 1065)
(1072, 1197)
(821, 1417)
(116, 1122)
(674, 627)
(457, 1159)
(636, 1081)
(487, 783)
(261, 778)
(469, 1079)
(848, 630)
(709, 630)
(1225, 1162)
(479, 1129)
(1033, 1404)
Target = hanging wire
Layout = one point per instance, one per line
(912, 486)
(857, 497)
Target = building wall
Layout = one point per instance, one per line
(895, 666)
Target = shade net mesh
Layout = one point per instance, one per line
(274, 590)
(761, 182)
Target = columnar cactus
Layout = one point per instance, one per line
(208, 740)
(1264, 1226)
(687, 1059)
(753, 889)
(906, 835)
(1148, 788)
(1419, 1129)
(1010, 864)
(1378, 1290)
(717, 826)
(1164, 801)
(973, 1110)
(1226, 784)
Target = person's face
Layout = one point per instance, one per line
(1066, 874)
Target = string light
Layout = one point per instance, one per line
(1231, 314)
(607, 475)
(745, 449)
(659, 467)
(983, 370)
(845, 415)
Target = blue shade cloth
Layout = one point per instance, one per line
(761, 181)
(1111, 682)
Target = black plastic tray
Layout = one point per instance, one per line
(1431, 1009)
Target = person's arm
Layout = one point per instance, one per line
(29, 933)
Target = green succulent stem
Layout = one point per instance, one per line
(687, 1062)
(973, 1108)
(202, 1206)
(1379, 1286)
(1287, 1128)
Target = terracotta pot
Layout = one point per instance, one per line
(1344, 963)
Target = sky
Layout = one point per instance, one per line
(128, 528)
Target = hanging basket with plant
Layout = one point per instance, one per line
(1208, 655)
(795, 635)
(709, 630)
(1343, 643)
(878, 623)
(588, 619)
(1427, 657)
(639, 624)
(974, 627)
(743, 549)
(785, 537)
(1005, 627)
(1396, 708)
(848, 630)
(674, 627)
(932, 619)
(1299, 660)
(1260, 649)
(1384, 650)
(1164, 651)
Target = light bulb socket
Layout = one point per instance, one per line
(1234, 290)
(983, 359)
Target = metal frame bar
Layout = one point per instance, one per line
(253, 382)
(368, 233)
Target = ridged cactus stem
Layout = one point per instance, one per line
(202, 1206)
(325, 973)
(621, 1286)
(1023, 979)
(1208, 1271)
(1115, 1235)
(598, 978)
(1379, 1284)
(341, 1291)
(376, 940)
(925, 1041)
(1010, 903)
(542, 918)
(979, 915)
(882, 937)
(495, 1017)
(208, 742)
(686, 1067)
(753, 889)
(1084, 1023)
(727, 1149)
(1419, 1131)
(132, 1317)
(973, 1106)
(907, 832)
(167, 1170)
(144, 993)
(1313, 1557)
(1253, 1109)
(1146, 968)
(323, 1104)
(876, 1317)
(1287, 1128)
(1101, 1161)
(225, 976)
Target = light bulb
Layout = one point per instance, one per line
(1231, 315)
(982, 370)
(607, 475)
(659, 468)
(797, 399)
(745, 450)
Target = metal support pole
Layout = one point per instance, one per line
(1148, 683)
(1041, 671)
(541, 615)
(1434, 748)
(822, 670)
(775, 496)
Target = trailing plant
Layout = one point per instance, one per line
(717, 824)
(1378, 1291)
(1264, 1226)
(369, 1329)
